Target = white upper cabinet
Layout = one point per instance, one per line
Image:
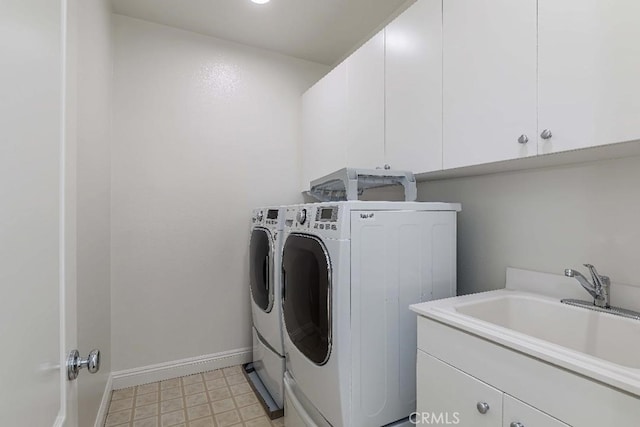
(365, 105)
(489, 88)
(343, 115)
(589, 72)
(413, 88)
(324, 109)
(458, 83)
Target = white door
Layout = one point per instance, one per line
(365, 105)
(589, 63)
(413, 88)
(34, 390)
(489, 88)
(324, 108)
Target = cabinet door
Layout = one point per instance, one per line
(519, 414)
(448, 394)
(589, 63)
(413, 88)
(489, 88)
(324, 108)
(365, 99)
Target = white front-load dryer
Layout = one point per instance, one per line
(265, 249)
(350, 272)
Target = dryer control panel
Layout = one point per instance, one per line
(327, 214)
(326, 218)
(319, 218)
(296, 218)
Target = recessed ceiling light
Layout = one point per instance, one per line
(260, 1)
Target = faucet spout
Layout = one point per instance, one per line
(583, 281)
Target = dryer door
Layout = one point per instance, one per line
(260, 253)
(306, 295)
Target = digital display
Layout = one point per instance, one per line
(272, 214)
(326, 214)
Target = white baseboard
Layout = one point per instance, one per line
(180, 368)
(101, 417)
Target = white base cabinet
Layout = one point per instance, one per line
(518, 414)
(457, 370)
(448, 394)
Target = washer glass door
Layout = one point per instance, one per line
(259, 269)
(306, 296)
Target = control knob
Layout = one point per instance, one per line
(302, 216)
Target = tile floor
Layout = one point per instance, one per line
(220, 398)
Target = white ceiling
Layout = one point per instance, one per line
(323, 31)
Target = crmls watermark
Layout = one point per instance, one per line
(435, 418)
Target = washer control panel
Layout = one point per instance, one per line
(257, 216)
(271, 218)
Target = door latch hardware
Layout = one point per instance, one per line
(75, 363)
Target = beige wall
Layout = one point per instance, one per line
(204, 130)
(93, 199)
(546, 220)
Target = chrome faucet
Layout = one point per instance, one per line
(599, 290)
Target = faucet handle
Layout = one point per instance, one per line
(597, 282)
(594, 273)
(602, 285)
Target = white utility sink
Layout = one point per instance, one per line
(602, 335)
(601, 346)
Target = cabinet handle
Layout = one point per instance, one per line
(523, 139)
(546, 134)
(516, 424)
(483, 407)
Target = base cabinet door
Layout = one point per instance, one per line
(518, 414)
(445, 393)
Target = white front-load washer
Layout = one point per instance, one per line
(265, 250)
(350, 272)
